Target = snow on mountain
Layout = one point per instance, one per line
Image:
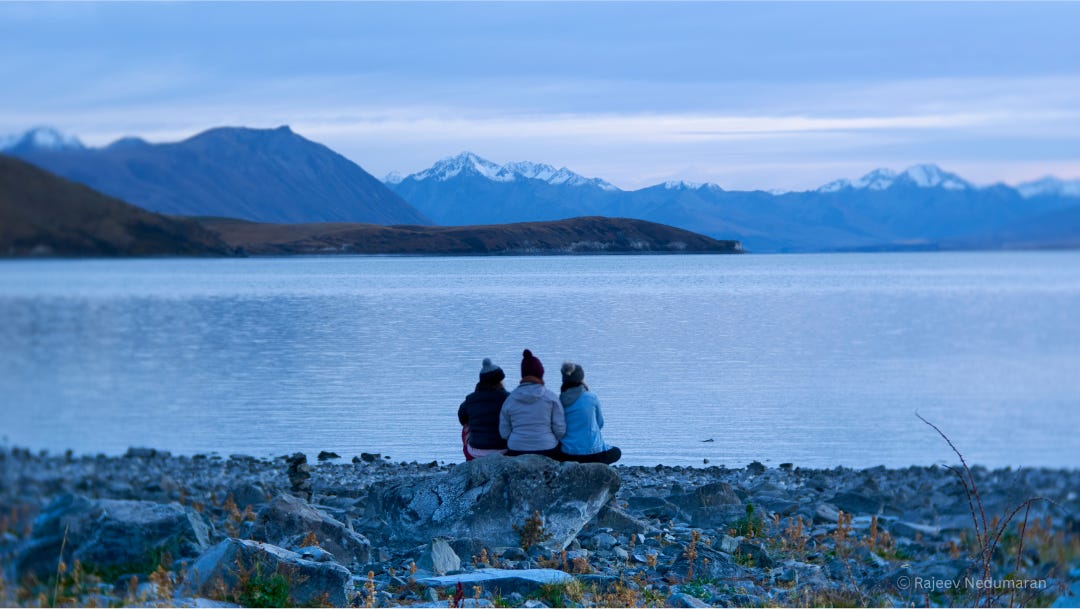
(468, 163)
(41, 138)
(1049, 186)
(931, 176)
(394, 177)
(465, 163)
(685, 185)
(547, 173)
(921, 176)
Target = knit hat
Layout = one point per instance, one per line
(572, 373)
(530, 366)
(490, 373)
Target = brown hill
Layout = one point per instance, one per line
(43, 214)
(577, 235)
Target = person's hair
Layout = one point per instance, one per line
(571, 385)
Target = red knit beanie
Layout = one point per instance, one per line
(530, 366)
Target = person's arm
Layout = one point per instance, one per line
(504, 424)
(462, 414)
(599, 415)
(558, 419)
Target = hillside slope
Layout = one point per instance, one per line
(43, 214)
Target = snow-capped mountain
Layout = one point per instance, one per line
(1049, 186)
(40, 138)
(468, 164)
(921, 176)
(685, 185)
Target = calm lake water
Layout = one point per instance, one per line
(820, 360)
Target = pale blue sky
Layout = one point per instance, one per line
(772, 95)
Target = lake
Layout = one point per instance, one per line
(820, 360)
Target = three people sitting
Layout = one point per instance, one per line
(532, 419)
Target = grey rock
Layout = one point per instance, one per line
(619, 520)
(603, 542)
(729, 544)
(534, 604)
(501, 581)
(299, 474)
(286, 520)
(717, 493)
(715, 516)
(487, 498)
(514, 554)
(620, 554)
(680, 599)
(315, 553)
(109, 533)
(310, 583)
(756, 468)
(853, 503)
(439, 558)
(325, 455)
(654, 507)
(249, 494)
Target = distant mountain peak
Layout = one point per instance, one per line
(1050, 186)
(468, 163)
(686, 185)
(40, 138)
(922, 176)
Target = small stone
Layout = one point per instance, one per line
(369, 457)
(621, 554)
(756, 468)
(326, 455)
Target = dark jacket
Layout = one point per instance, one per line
(480, 411)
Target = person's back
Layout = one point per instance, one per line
(532, 418)
(583, 441)
(479, 413)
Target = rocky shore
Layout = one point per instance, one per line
(151, 529)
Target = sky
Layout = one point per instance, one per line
(774, 96)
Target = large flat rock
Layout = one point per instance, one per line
(487, 498)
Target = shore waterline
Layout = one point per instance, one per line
(818, 360)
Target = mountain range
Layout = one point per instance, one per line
(266, 175)
(922, 207)
(276, 175)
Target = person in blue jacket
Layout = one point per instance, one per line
(583, 441)
(479, 414)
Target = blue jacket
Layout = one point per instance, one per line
(583, 424)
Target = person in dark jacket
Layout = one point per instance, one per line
(479, 414)
(532, 417)
(583, 441)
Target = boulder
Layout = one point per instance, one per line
(287, 520)
(618, 520)
(236, 569)
(709, 495)
(501, 581)
(439, 558)
(854, 503)
(104, 533)
(490, 499)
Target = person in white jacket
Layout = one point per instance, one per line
(532, 419)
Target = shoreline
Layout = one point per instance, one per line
(840, 534)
